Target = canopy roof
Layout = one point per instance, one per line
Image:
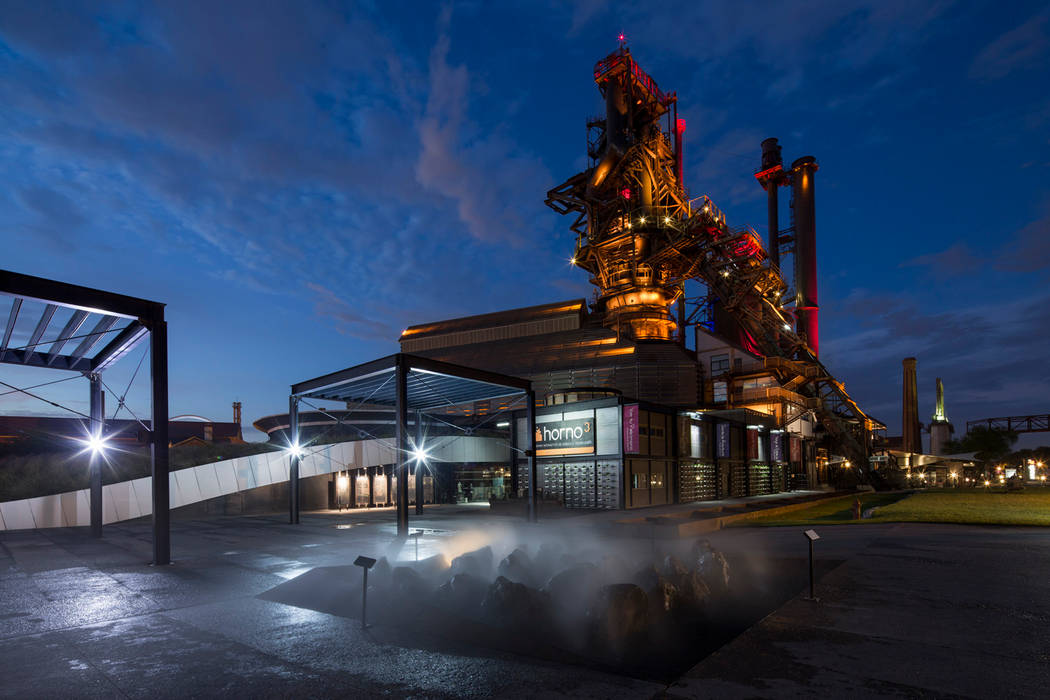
(431, 384)
(65, 326)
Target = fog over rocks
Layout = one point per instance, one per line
(550, 595)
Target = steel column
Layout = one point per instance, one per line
(95, 430)
(420, 465)
(400, 441)
(530, 452)
(158, 341)
(515, 478)
(293, 468)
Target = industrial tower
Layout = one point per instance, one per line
(641, 238)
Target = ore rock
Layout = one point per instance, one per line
(574, 586)
(379, 576)
(547, 560)
(647, 577)
(693, 591)
(407, 582)
(619, 615)
(479, 562)
(514, 604)
(713, 567)
(673, 567)
(517, 567)
(664, 599)
(462, 592)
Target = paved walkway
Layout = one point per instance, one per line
(914, 611)
(921, 611)
(89, 618)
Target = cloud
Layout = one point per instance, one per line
(348, 320)
(1028, 250)
(953, 261)
(55, 217)
(480, 170)
(796, 41)
(980, 350)
(1021, 47)
(1025, 251)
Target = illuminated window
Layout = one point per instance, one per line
(721, 392)
(719, 364)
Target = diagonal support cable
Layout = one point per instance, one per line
(41, 398)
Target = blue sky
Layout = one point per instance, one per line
(300, 181)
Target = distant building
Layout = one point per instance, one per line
(130, 433)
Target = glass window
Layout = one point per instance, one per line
(721, 393)
(719, 364)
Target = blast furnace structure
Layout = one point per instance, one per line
(642, 238)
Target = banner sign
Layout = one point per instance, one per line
(566, 437)
(776, 447)
(631, 441)
(796, 450)
(752, 444)
(721, 439)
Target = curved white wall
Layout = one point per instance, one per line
(132, 499)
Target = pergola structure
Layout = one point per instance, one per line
(117, 324)
(410, 383)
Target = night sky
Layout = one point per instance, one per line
(300, 181)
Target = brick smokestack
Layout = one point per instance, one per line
(911, 430)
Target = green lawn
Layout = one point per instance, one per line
(963, 506)
(833, 511)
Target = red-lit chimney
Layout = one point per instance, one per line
(679, 143)
(804, 215)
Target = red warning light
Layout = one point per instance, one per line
(625, 193)
(680, 125)
(621, 37)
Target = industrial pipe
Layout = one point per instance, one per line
(771, 158)
(802, 174)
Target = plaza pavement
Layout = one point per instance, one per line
(914, 611)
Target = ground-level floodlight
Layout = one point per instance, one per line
(365, 563)
(811, 537)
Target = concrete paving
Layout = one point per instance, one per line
(89, 618)
(914, 611)
(921, 611)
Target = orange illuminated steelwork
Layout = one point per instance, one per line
(641, 238)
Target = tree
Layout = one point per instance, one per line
(987, 444)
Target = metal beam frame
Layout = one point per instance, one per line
(400, 367)
(401, 441)
(420, 465)
(1034, 423)
(530, 453)
(73, 296)
(147, 320)
(95, 429)
(294, 460)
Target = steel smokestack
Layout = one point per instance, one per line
(910, 428)
(806, 307)
(771, 158)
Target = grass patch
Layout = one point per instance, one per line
(971, 507)
(833, 511)
(961, 506)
